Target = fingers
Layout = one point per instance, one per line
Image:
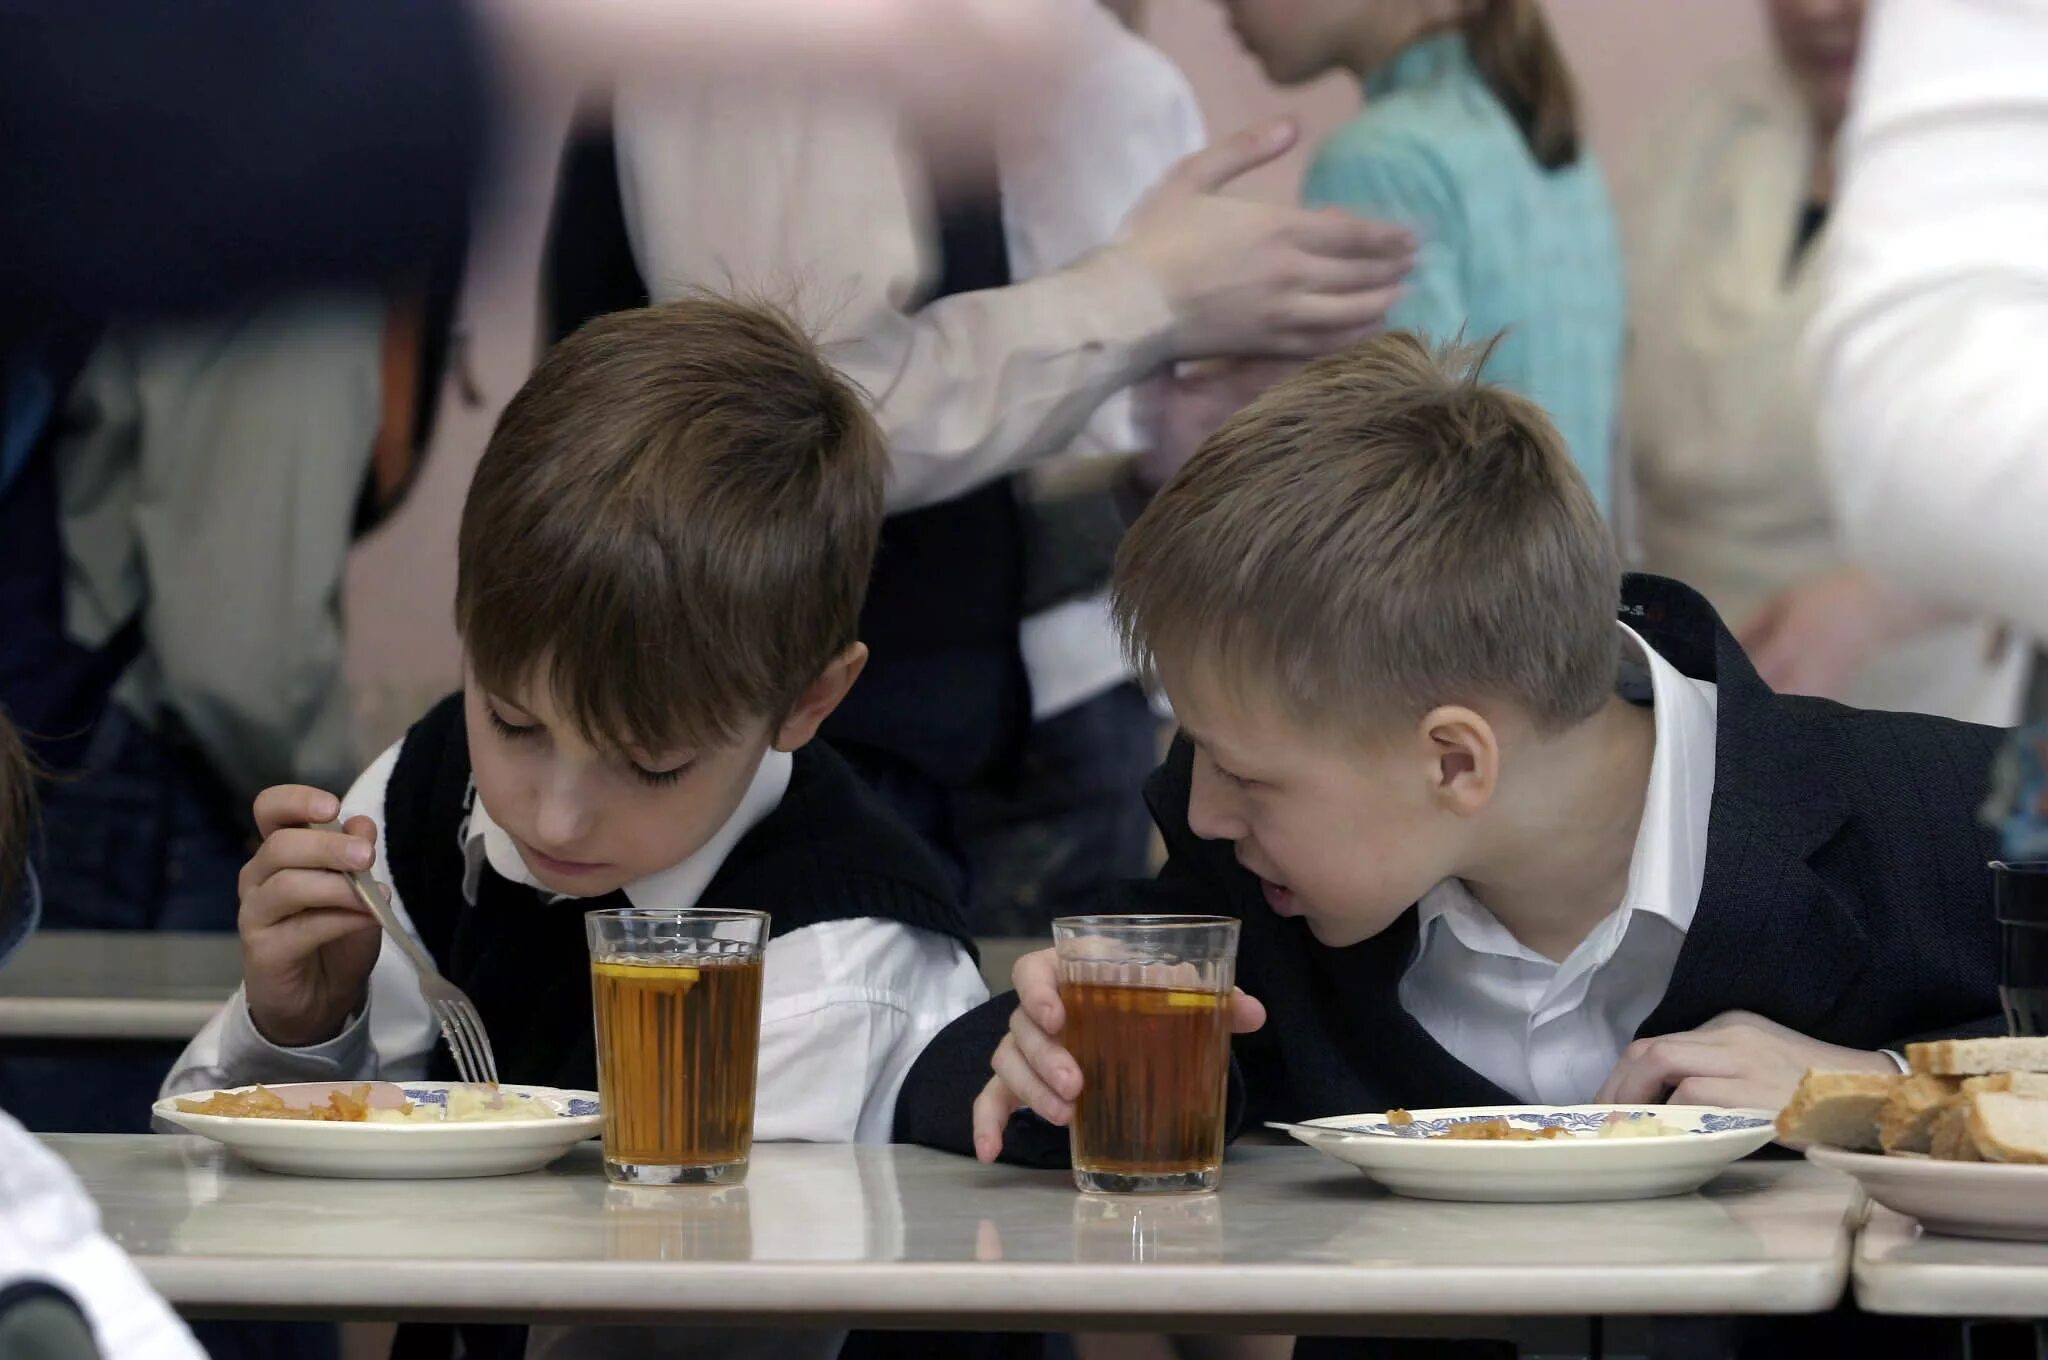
(290, 891)
(294, 805)
(1036, 976)
(1247, 1012)
(1054, 1067)
(1335, 234)
(992, 1111)
(1312, 318)
(1650, 1067)
(1026, 1086)
(1724, 1092)
(1221, 162)
(305, 932)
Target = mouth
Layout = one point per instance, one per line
(544, 863)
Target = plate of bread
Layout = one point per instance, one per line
(1540, 1153)
(1959, 1142)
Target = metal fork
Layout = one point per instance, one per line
(461, 1027)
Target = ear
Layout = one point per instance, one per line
(1464, 759)
(821, 696)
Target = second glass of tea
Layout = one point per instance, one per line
(677, 1000)
(1148, 1022)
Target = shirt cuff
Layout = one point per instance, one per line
(1899, 1058)
(249, 1056)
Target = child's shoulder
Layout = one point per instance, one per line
(1386, 157)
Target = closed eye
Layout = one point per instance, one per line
(515, 731)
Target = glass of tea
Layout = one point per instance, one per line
(677, 1000)
(1148, 1022)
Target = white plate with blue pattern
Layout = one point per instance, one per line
(475, 1146)
(1605, 1152)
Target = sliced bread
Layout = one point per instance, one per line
(1837, 1109)
(1950, 1139)
(1906, 1123)
(1977, 1057)
(2009, 1127)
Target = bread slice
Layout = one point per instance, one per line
(1977, 1057)
(2008, 1127)
(1950, 1139)
(1906, 1123)
(1837, 1109)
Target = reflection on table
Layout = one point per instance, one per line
(902, 1236)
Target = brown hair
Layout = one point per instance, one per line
(1381, 534)
(677, 516)
(1514, 49)
(17, 808)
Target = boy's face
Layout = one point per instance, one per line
(588, 819)
(1345, 835)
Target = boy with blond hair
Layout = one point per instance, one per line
(1490, 845)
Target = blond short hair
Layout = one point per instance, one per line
(676, 516)
(1381, 534)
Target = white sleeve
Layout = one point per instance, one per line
(1934, 420)
(810, 199)
(846, 1007)
(50, 1233)
(392, 1037)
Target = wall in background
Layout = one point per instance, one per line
(1631, 57)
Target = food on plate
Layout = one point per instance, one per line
(1499, 1129)
(1906, 1120)
(1966, 1100)
(1978, 1057)
(372, 1103)
(1838, 1109)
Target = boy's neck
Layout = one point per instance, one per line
(1370, 46)
(1567, 833)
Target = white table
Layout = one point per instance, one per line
(117, 985)
(906, 1237)
(1899, 1269)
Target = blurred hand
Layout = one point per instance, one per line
(1256, 279)
(1181, 410)
(1031, 1069)
(308, 944)
(1814, 637)
(1736, 1059)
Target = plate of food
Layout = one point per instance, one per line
(1960, 1142)
(389, 1130)
(1540, 1154)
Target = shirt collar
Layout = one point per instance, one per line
(1443, 56)
(1669, 863)
(679, 885)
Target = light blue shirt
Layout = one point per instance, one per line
(1506, 245)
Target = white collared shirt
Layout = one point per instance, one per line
(1551, 1032)
(846, 1006)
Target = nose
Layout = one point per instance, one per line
(1213, 812)
(562, 815)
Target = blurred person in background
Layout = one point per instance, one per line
(1470, 135)
(1726, 217)
(1927, 345)
(65, 1288)
(991, 324)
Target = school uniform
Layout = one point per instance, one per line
(1841, 891)
(867, 956)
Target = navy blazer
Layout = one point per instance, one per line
(1846, 896)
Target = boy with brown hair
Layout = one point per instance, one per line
(661, 564)
(1488, 844)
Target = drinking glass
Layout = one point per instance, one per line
(677, 997)
(1147, 1001)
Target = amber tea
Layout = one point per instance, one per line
(678, 1019)
(1154, 1062)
